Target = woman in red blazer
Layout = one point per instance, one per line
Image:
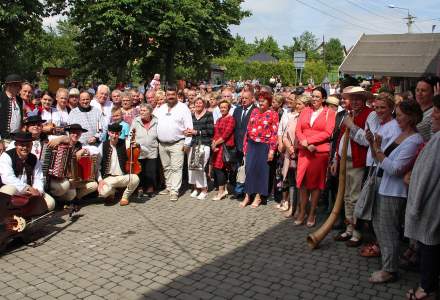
(314, 128)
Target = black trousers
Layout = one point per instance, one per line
(429, 267)
(221, 176)
(148, 175)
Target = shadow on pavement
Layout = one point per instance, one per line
(279, 265)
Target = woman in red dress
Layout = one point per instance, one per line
(223, 133)
(314, 128)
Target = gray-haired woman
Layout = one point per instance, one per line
(145, 126)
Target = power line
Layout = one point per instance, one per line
(417, 26)
(428, 20)
(389, 18)
(332, 16)
(349, 16)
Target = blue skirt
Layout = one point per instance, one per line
(257, 168)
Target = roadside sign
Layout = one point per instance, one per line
(299, 59)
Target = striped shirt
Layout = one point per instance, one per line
(424, 127)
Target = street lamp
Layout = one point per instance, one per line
(410, 18)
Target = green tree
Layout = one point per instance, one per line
(267, 45)
(307, 42)
(115, 33)
(334, 54)
(240, 48)
(17, 18)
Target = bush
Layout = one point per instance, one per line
(237, 68)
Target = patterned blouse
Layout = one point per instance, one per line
(224, 128)
(205, 129)
(263, 128)
(129, 116)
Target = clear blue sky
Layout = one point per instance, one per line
(343, 19)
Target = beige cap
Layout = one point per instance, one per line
(332, 100)
(303, 98)
(356, 90)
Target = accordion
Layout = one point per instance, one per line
(55, 161)
(84, 169)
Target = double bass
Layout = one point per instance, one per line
(133, 166)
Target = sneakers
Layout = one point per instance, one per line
(194, 194)
(202, 196)
(174, 196)
(164, 192)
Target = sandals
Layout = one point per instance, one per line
(245, 202)
(412, 294)
(370, 250)
(256, 203)
(312, 223)
(299, 222)
(221, 196)
(284, 206)
(382, 277)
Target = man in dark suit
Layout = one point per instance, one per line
(11, 107)
(241, 116)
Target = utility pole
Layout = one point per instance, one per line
(409, 18)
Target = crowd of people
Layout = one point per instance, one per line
(252, 144)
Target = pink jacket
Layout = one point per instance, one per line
(319, 133)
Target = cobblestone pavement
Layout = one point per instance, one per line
(190, 249)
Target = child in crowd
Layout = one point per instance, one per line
(117, 118)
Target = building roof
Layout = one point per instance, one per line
(398, 55)
(262, 57)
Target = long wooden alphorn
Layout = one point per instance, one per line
(317, 236)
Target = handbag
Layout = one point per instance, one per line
(241, 174)
(197, 157)
(229, 154)
(364, 205)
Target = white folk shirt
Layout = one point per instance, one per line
(115, 167)
(106, 111)
(60, 117)
(8, 176)
(49, 115)
(171, 124)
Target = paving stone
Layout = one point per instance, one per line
(190, 249)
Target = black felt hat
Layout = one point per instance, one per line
(13, 78)
(115, 127)
(74, 127)
(22, 137)
(33, 120)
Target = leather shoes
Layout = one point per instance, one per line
(353, 242)
(342, 237)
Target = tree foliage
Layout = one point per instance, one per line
(114, 33)
(334, 52)
(307, 42)
(267, 45)
(237, 68)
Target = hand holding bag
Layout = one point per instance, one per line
(229, 154)
(197, 157)
(364, 205)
